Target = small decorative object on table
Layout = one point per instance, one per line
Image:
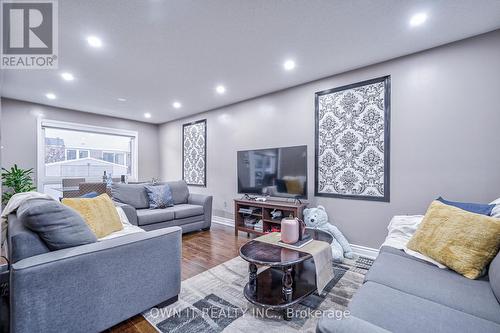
(109, 180)
(292, 229)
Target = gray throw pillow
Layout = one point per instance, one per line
(180, 191)
(160, 196)
(57, 225)
(131, 194)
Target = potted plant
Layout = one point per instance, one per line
(16, 180)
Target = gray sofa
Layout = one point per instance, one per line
(404, 294)
(190, 211)
(91, 287)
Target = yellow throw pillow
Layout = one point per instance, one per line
(463, 241)
(99, 213)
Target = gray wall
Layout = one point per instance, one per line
(19, 133)
(445, 135)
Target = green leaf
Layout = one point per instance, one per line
(16, 180)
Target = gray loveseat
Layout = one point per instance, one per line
(405, 294)
(190, 211)
(91, 287)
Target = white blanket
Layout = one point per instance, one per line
(401, 229)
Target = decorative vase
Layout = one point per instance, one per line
(291, 230)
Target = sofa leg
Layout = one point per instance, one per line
(206, 229)
(168, 302)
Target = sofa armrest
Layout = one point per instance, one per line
(129, 211)
(350, 324)
(92, 287)
(206, 202)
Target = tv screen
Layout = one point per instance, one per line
(278, 172)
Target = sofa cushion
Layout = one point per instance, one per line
(180, 191)
(23, 242)
(349, 324)
(134, 195)
(187, 210)
(160, 196)
(398, 311)
(99, 213)
(150, 216)
(58, 226)
(463, 241)
(438, 285)
(402, 253)
(494, 275)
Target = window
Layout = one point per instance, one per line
(83, 153)
(67, 150)
(108, 157)
(70, 154)
(119, 158)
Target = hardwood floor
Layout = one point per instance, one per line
(200, 251)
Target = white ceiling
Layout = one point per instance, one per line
(156, 52)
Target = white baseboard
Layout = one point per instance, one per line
(223, 220)
(365, 251)
(358, 249)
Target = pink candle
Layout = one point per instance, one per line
(289, 230)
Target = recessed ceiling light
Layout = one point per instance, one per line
(147, 115)
(94, 41)
(67, 76)
(220, 89)
(289, 65)
(418, 19)
(50, 96)
(121, 99)
(176, 105)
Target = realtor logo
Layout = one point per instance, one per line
(29, 34)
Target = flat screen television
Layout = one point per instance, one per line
(278, 172)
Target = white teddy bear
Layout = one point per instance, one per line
(317, 218)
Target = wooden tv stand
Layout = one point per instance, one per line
(263, 211)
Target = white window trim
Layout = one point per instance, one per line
(41, 123)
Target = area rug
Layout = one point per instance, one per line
(213, 302)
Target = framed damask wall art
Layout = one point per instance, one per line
(352, 141)
(194, 153)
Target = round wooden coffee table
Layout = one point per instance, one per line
(289, 278)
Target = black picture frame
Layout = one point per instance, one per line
(204, 121)
(387, 127)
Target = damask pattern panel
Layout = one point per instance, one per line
(352, 141)
(194, 153)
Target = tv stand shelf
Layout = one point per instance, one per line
(262, 212)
